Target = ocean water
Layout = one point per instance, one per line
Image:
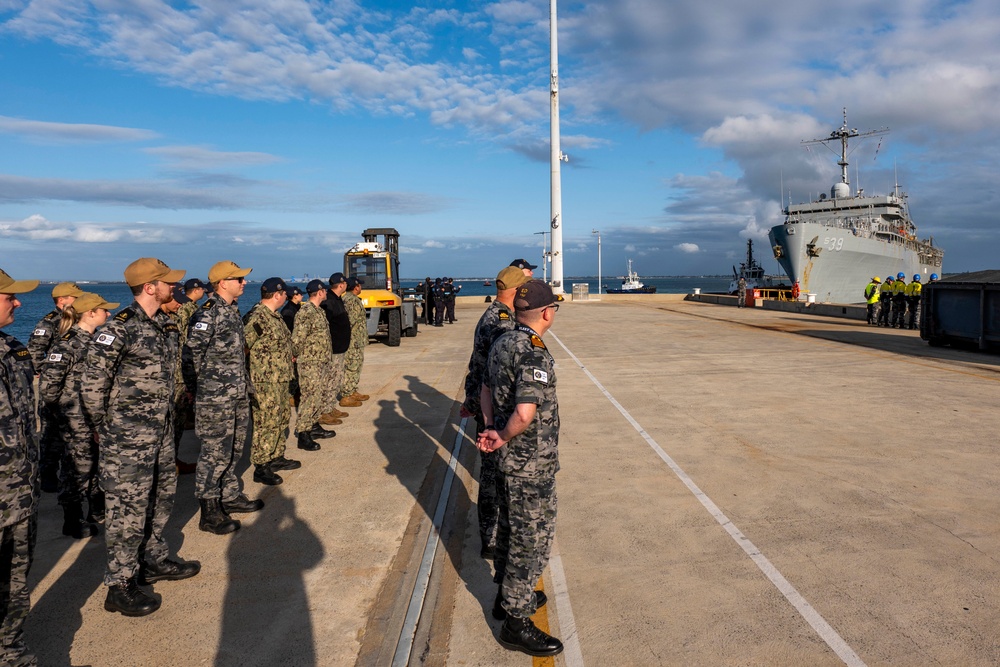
(36, 304)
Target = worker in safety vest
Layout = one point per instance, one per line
(871, 298)
(885, 302)
(899, 301)
(913, 301)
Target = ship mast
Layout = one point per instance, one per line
(556, 157)
(843, 134)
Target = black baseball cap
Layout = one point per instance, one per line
(523, 264)
(353, 281)
(194, 283)
(315, 286)
(180, 296)
(337, 278)
(534, 294)
(273, 285)
(293, 291)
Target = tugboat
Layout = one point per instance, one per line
(753, 273)
(487, 283)
(631, 284)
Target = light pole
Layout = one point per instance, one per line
(598, 261)
(545, 256)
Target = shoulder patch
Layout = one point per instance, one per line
(537, 342)
(21, 353)
(539, 375)
(124, 316)
(54, 356)
(208, 304)
(200, 326)
(170, 326)
(504, 315)
(38, 332)
(104, 339)
(69, 334)
(256, 327)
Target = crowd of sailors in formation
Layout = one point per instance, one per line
(895, 303)
(116, 391)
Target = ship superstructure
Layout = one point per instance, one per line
(833, 246)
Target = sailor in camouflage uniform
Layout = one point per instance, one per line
(497, 319)
(59, 389)
(18, 477)
(215, 368)
(183, 399)
(522, 414)
(314, 360)
(127, 390)
(270, 345)
(354, 358)
(46, 333)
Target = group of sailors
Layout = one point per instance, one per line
(113, 394)
(895, 303)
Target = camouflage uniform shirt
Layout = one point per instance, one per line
(45, 333)
(214, 355)
(18, 447)
(311, 337)
(521, 370)
(127, 386)
(184, 314)
(60, 374)
(497, 319)
(359, 321)
(270, 344)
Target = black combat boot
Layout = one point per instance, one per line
(319, 433)
(520, 634)
(281, 463)
(242, 504)
(214, 519)
(129, 600)
(306, 442)
(168, 570)
(73, 523)
(264, 474)
(500, 613)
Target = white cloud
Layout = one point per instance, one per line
(203, 157)
(71, 132)
(689, 248)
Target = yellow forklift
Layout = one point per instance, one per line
(376, 262)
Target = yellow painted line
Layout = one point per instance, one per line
(541, 620)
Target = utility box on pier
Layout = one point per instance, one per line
(581, 292)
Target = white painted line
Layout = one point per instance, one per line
(405, 646)
(572, 655)
(812, 617)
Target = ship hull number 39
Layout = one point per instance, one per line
(833, 243)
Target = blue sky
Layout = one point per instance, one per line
(271, 132)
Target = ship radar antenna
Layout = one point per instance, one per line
(843, 134)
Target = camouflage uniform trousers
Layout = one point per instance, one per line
(17, 545)
(898, 312)
(524, 539)
(318, 393)
(336, 378)
(488, 501)
(271, 415)
(222, 424)
(52, 446)
(873, 313)
(139, 479)
(913, 312)
(354, 359)
(78, 472)
(182, 406)
(885, 306)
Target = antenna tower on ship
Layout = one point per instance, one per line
(843, 134)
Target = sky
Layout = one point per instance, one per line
(272, 132)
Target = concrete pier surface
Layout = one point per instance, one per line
(738, 487)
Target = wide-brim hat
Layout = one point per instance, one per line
(149, 269)
(226, 271)
(10, 286)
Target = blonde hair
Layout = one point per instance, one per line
(68, 318)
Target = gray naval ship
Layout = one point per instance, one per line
(832, 247)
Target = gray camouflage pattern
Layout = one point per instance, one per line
(127, 390)
(17, 546)
(215, 363)
(45, 333)
(59, 380)
(520, 369)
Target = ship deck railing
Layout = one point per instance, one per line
(772, 294)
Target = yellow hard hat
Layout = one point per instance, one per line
(876, 279)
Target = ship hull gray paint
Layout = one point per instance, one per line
(845, 264)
